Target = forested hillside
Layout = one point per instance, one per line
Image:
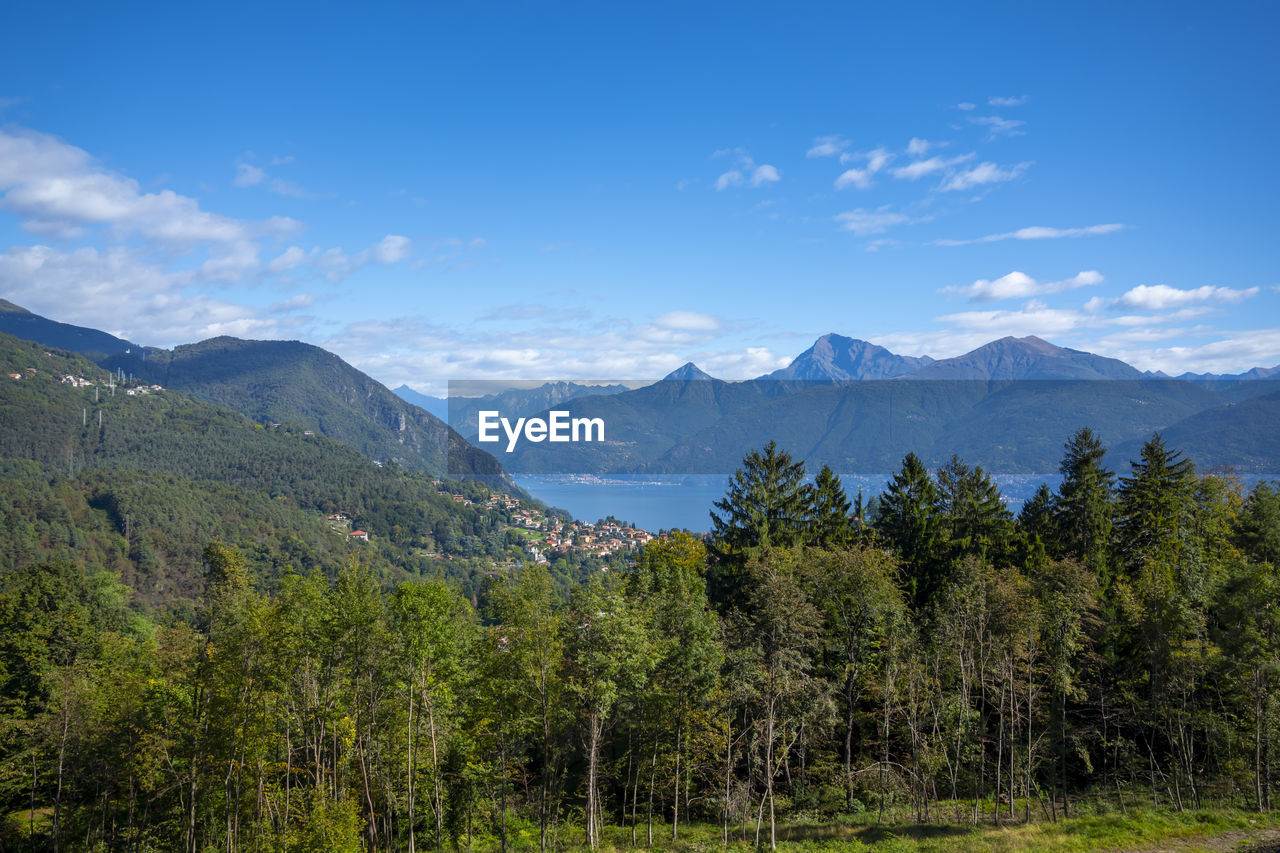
(138, 483)
(932, 659)
(279, 381)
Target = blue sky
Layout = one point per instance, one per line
(560, 190)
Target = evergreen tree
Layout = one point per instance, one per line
(1155, 501)
(908, 519)
(1258, 526)
(829, 523)
(1083, 507)
(768, 505)
(977, 521)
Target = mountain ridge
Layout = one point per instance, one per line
(837, 358)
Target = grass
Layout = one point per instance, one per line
(1151, 829)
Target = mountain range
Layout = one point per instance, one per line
(835, 358)
(1008, 405)
(278, 382)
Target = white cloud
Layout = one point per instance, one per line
(120, 292)
(983, 173)
(731, 178)
(1019, 285)
(1009, 102)
(57, 189)
(997, 126)
(920, 147)
(1034, 318)
(863, 222)
(423, 354)
(921, 168)
(861, 178)
(764, 174)
(1236, 351)
(248, 175)
(688, 321)
(1160, 296)
(965, 105)
(291, 258)
(745, 171)
(1038, 232)
(827, 146)
(393, 248)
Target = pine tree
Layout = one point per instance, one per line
(829, 522)
(908, 519)
(767, 506)
(977, 521)
(1082, 509)
(1258, 527)
(1155, 501)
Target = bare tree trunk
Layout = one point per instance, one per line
(653, 770)
(594, 725)
(728, 771)
(413, 796)
(675, 791)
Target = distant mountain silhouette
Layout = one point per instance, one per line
(437, 406)
(21, 323)
(836, 358)
(1027, 358)
(687, 372)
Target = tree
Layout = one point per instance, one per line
(609, 652)
(669, 581)
(434, 628)
(531, 625)
(829, 523)
(783, 629)
(977, 521)
(1155, 501)
(768, 505)
(908, 519)
(1082, 509)
(1258, 527)
(857, 593)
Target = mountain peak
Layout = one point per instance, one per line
(836, 358)
(1029, 357)
(687, 372)
(7, 307)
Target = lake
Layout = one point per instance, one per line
(666, 502)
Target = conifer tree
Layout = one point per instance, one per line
(977, 521)
(909, 520)
(1082, 509)
(768, 505)
(829, 524)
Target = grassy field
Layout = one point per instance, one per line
(1138, 830)
(1146, 830)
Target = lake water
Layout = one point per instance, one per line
(666, 502)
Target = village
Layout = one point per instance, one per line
(545, 536)
(548, 536)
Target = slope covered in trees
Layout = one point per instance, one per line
(114, 479)
(289, 381)
(937, 660)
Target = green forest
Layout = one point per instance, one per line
(137, 484)
(925, 660)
